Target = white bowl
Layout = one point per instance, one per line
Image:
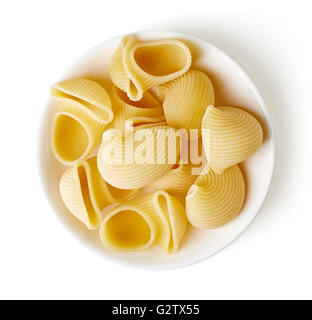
(233, 87)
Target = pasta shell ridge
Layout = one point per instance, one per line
(186, 98)
(230, 136)
(88, 93)
(215, 199)
(129, 163)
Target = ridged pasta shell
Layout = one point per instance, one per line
(86, 194)
(88, 93)
(177, 180)
(215, 199)
(83, 111)
(133, 166)
(186, 98)
(75, 131)
(230, 136)
(136, 66)
(146, 110)
(151, 219)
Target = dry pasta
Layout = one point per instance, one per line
(215, 199)
(186, 98)
(89, 93)
(230, 136)
(136, 66)
(83, 111)
(148, 144)
(152, 219)
(183, 174)
(127, 165)
(146, 110)
(86, 194)
(177, 180)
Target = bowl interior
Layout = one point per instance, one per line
(233, 87)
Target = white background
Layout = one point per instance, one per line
(39, 258)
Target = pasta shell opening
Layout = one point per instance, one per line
(84, 110)
(173, 215)
(127, 230)
(163, 205)
(135, 113)
(85, 191)
(162, 59)
(105, 115)
(147, 101)
(134, 92)
(176, 166)
(88, 93)
(71, 140)
(136, 66)
(119, 194)
(139, 122)
(150, 219)
(86, 194)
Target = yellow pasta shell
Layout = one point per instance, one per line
(177, 180)
(83, 111)
(88, 93)
(130, 167)
(136, 66)
(230, 136)
(86, 194)
(186, 98)
(151, 219)
(146, 110)
(215, 199)
(75, 131)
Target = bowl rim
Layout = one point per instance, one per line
(259, 97)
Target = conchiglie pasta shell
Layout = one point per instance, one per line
(127, 167)
(75, 131)
(83, 111)
(185, 99)
(151, 219)
(215, 199)
(86, 194)
(89, 93)
(146, 110)
(137, 66)
(230, 136)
